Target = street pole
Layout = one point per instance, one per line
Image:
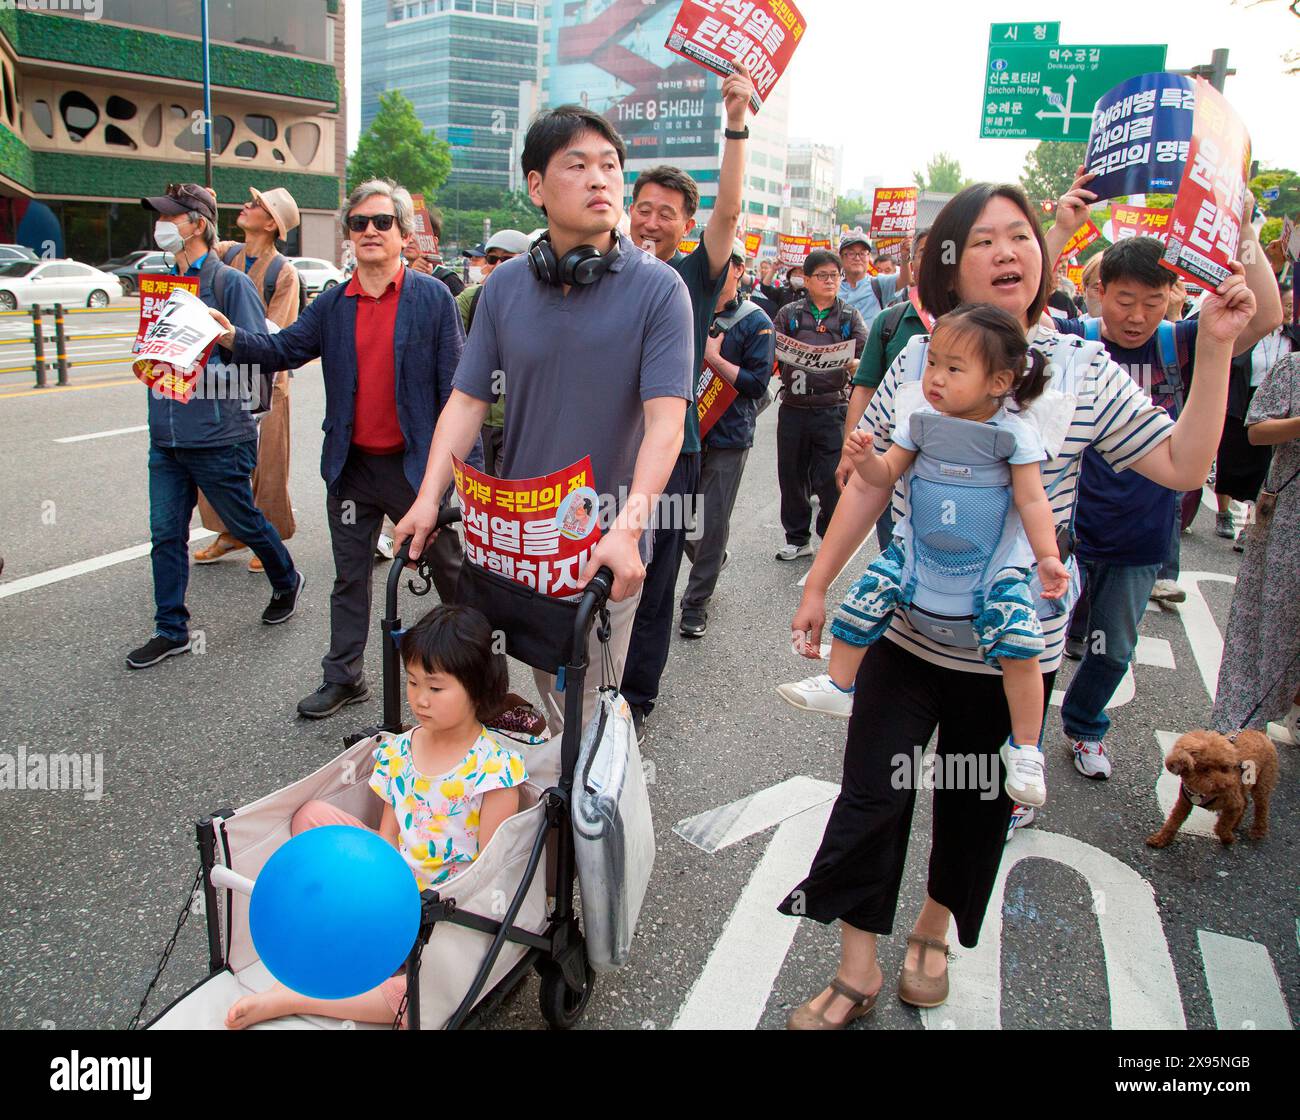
(207, 99)
(1216, 72)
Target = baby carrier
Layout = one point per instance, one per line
(959, 532)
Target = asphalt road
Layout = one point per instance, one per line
(1094, 928)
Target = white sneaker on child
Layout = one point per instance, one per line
(818, 694)
(1024, 782)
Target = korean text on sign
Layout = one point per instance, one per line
(1084, 236)
(1140, 221)
(538, 532)
(893, 213)
(424, 239)
(713, 396)
(792, 250)
(1140, 133)
(174, 350)
(155, 287)
(1205, 227)
(761, 35)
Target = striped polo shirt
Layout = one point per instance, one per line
(1111, 413)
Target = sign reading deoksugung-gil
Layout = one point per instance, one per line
(760, 35)
(538, 532)
(1205, 227)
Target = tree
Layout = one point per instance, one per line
(1050, 168)
(397, 147)
(849, 210)
(942, 174)
(1287, 183)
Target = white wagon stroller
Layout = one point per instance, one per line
(481, 931)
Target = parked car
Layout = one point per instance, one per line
(317, 275)
(16, 253)
(128, 269)
(23, 283)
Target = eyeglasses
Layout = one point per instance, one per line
(854, 253)
(825, 276)
(493, 258)
(383, 222)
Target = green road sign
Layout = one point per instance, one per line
(1025, 33)
(1047, 91)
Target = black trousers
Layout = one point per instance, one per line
(652, 629)
(808, 446)
(370, 488)
(899, 701)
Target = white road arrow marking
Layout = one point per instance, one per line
(1202, 633)
(719, 828)
(1139, 971)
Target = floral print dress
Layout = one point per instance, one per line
(438, 814)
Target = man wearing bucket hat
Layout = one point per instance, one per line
(209, 441)
(266, 216)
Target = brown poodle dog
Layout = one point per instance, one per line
(1217, 774)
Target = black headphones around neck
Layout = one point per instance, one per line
(582, 265)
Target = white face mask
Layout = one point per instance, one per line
(796, 281)
(476, 274)
(167, 237)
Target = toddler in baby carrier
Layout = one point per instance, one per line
(978, 518)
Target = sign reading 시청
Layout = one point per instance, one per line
(538, 532)
(1205, 227)
(761, 35)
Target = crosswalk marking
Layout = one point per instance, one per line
(1201, 821)
(1154, 651)
(1243, 984)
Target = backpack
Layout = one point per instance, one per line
(878, 288)
(889, 321)
(1170, 388)
(272, 276)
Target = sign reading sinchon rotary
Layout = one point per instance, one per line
(1037, 90)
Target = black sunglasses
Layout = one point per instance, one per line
(383, 222)
(492, 258)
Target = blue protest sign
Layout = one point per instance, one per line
(1140, 133)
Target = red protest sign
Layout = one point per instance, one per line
(538, 532)
(1084, 236)
(819, 243)
(687, 247)
(713, 396)
(1205, 226)
(893, 212)
(791, 250)
(1141, 221)
(155, 287)
(173, 351)
(752, 243)
(424, 239)
(759, 34)
(892, 247)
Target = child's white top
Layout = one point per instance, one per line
(438, 814)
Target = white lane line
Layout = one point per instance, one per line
(1154, 651)
(736, 984)
(1201, 822)
(1243, 984)
(81, 567)
(719, 828)
(102, 435)
(1202, 632)
(870, 536)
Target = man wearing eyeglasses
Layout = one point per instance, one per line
(265, 217)
(810, 422)
(868, 295)
(389, 341)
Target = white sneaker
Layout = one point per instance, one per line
(1024, 781)
(818, 694)
(793, 551)
(1167, 591)
(384, 546)
(1022, 816)
(1090, 759)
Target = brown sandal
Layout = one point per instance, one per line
(804, 1018)
(914, 986)
(218, 548)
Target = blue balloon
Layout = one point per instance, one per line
(334, 912)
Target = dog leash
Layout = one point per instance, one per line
(1269, 692)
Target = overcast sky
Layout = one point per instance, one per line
(895, 83)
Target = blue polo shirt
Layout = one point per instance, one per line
(862, 296)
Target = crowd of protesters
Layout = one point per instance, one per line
(1136, 391)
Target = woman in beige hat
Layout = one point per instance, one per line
(266, 216)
